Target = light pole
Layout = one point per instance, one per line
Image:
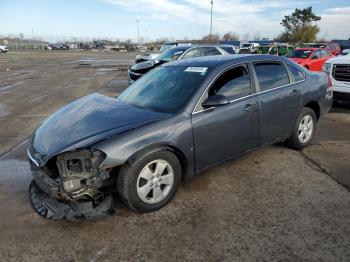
(211, 17)
(138, 33)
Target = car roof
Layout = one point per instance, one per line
(225, 45)
(223, 60)
(181, 47)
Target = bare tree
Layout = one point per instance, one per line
(210, 39)
(230, 36)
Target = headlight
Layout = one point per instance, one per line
(327, 68)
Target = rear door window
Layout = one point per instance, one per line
(316, 55)
(228, 49)
(325, 53)
(196, 52)
(271, 75)
(234, 83)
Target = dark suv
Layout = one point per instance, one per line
(175, 53)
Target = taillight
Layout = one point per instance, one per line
(329, 91)
(329, 82)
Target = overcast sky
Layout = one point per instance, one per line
(59, 19)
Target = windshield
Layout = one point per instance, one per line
(299, 54)
(171, 54)
(246, 45)
(165, 89)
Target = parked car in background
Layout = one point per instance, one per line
(151, 56)
(230, 49)
(346, 52)
(344, 44)
(3, 49)
(58, 47)
(175, 53)
(332, 47)
(249, 48)
(338, 68)
(177, 121)
(310, 58)
(276, 49)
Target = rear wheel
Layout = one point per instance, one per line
(150, 182)
(304, 129)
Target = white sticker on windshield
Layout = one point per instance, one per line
(201, 70)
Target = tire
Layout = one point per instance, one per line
(302, 138)
(139, 184)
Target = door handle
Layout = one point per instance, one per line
(249, 107)
(295, 92)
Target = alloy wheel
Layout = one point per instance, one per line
(306, 128)
(155, 181)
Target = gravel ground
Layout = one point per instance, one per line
(274, 204)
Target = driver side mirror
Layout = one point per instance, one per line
(314, 57)
(215, 100)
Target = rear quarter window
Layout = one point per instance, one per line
(297, 74)
(271, 75)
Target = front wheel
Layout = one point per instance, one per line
(304, 129)
(150, 182)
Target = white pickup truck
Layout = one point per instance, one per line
(338, 69)
(3, 49)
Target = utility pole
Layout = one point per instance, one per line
(138, 32)
(211, 17)
(33, 40)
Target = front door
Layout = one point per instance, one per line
(225, 131)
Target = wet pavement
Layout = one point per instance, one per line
(272, 204)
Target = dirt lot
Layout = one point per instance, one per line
(272, 204)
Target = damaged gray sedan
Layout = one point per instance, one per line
(176, 121)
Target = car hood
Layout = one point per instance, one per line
(340, 59)
(143, 65)
(87, 121)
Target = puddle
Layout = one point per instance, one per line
(37, 98)
(4, 111)
(5, 88)
(15, 174)
(106, 69)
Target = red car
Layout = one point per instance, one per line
(311, 58)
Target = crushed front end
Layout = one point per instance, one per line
(72, 186)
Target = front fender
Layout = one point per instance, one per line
(174, 133)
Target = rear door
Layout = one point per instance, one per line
(225, 131)
(325, 55)
(280, 96)
(316, 61)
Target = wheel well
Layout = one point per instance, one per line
(182, 160)
(314, 106)
(180, 156)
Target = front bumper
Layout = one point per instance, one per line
(46, 199)
(52, 208)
